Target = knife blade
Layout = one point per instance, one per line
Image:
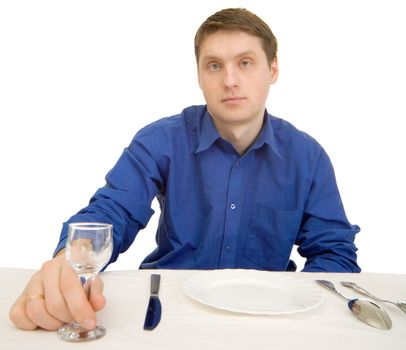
(154, 310)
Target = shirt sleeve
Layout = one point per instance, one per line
(326, 238)
(125, 200)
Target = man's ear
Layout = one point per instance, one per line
(198, 76)
(274, 71)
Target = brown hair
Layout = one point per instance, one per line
(242, 20)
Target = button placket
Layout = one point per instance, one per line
(232, 216)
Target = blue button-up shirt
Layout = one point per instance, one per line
(220, 209)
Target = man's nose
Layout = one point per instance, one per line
(230, 77)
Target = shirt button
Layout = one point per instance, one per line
(232, 206)
(228, 248)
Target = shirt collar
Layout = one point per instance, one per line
(209, 135)
(267, 136)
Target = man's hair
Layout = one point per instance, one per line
(238, 19)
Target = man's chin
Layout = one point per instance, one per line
(231, 115)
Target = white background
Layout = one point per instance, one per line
(79, 78)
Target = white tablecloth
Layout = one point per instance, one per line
(187, 324)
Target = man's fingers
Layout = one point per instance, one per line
(53, 296)
(75, 297)
(29, 310)
(54, 302)
(97, 299)
(18, 314)
(38, 314)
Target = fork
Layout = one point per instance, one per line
(357, 288)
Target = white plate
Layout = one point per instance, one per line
(253, 292)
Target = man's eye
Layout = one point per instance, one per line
(214, 66)
(245, 63)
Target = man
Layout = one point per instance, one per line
(237, 187)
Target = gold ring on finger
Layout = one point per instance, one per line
(36, 297)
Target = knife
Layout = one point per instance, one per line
(154, 310)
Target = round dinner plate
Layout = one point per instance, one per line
(253, 292)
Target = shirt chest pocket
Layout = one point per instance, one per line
(270, 236)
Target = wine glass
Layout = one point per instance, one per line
(88, 249)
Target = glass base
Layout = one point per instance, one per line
(76, 333)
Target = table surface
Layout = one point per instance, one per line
(187, 324)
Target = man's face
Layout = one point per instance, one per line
(234, 76)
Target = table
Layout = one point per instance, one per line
(187, 324)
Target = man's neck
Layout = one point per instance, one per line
(241, 136)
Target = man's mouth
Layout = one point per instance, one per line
(233, 99)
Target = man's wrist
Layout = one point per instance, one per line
(61, 252)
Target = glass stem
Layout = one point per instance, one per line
(87, 281)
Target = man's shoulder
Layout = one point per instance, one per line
(186, 120)
(286, 132)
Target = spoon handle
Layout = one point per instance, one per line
(330, 286)
(359, 289)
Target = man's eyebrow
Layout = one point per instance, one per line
(210, 57)
(246, 53)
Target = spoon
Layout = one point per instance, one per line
(400, 304)
(365, 310)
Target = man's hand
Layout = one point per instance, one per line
(55, 296)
